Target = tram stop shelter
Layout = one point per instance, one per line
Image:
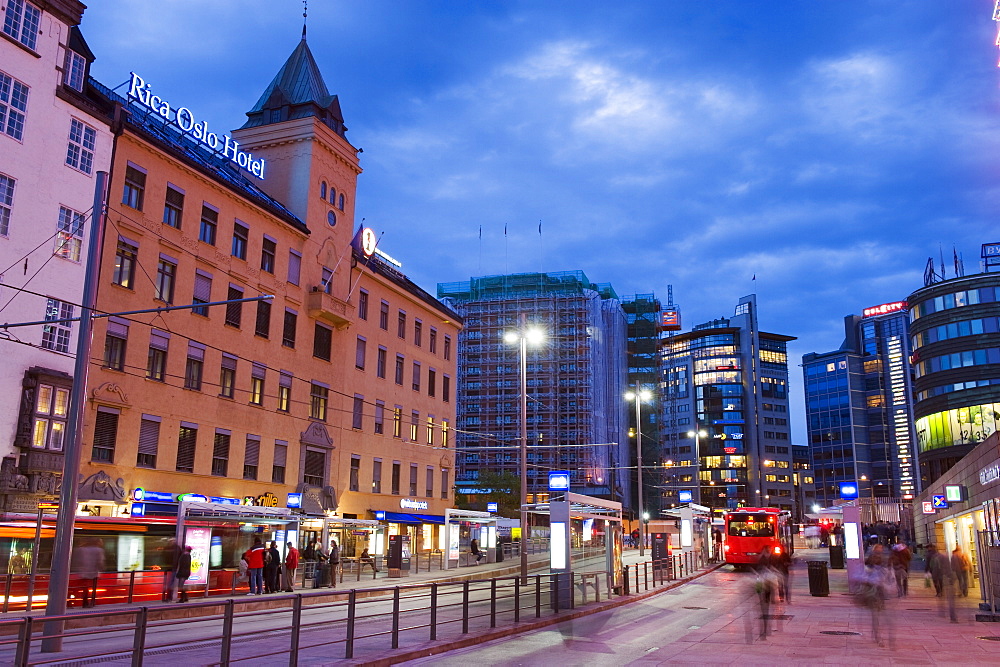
(463, 526)
(585, 539)
(219, 533)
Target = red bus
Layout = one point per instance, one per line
(750, 529)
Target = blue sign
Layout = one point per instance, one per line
(848, 490)
(685, 496)
(141, 494)
(939, 502)
(492, 507)
(138, 509)
(294, 500)
(559, 480)
(191, 498)
(223, 501)
(380, 516)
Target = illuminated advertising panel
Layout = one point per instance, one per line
(671, 320)
(959, 426)
(852, 540)
(200, 540)
(557, 546)
(453, 541)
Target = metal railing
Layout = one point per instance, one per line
(312, 625)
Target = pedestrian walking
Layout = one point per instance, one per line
(87, 563)
(939, 568)
(171, 553)
(960, 566)
(899, 562)
(272, 569)
(334, 562)
(291, 566)
(766, 587)
(183, 572)
(255, 565)
(873, 588)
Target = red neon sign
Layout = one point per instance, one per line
(885, 309)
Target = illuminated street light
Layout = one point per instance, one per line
(522, 337)
(697, 435)
(639, 396)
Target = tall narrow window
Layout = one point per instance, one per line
(383, 316)
(416, 376)
(315, 468)
(379, 416)
(115, 344)
(447, 348)
(69, 237)
(187, 442)
(220, 453)
(173, 207)
(263, 325)
(430, 429)
(105, 435)
(279, 462)
(414, 425)
(401, 324)
(227, 376)
(56, 336)
(80, 151)
(326, 281)
(413, 480)
(134, 190)
(156, 362)
(241, 236)
(431, 381)
(267, 255)
(318, 395)
(285, 392)
(251, 457)
(444, 483)
(358, 413)
(432, 342)
(399, 369)
(202, 291)
(21, 21)
(194, 368)
(6, 202)
(444, 432)
(363, 305)
(445, 388)
(395, 477)
(294, 267)
(209, 224)
(354, 482)
(418, 332)
(234, 311)
(125, 259)
(359, 353)
(13, 106)
(288, 328)
(322, 342)
(51, 414)
(74, 70)
(429, 483)
(377, 476)
(380, 362)
(257, 374)
(149, 441)
(166, 274)
(397, 421)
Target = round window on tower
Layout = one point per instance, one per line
(331, 218)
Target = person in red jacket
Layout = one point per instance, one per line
(255, 563)
(291, 565)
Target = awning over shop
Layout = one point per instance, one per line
(403, 517)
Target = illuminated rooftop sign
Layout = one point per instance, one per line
(141, 92)
(885, 309)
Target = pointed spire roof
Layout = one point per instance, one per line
(297, 91)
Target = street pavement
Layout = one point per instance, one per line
(715, 620)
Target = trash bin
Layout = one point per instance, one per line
(836, 556)
(819, 579)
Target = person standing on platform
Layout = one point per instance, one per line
(899, 561)
(88, 561)
(272, 569)
(291, 565)
(255, 561)
(183, 572)
(334, 562)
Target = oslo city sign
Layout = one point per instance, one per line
(141, 92)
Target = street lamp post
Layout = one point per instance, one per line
(639, 395)
(523, 337)
(697, 434)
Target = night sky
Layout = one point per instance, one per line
(827, 148)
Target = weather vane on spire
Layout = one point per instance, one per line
(305, 16)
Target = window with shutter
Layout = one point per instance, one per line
(288, 329)
(263, 326)
(227, 376)
(315, 465)
(322, 342)
(359, 354)
(202, 292)
(105, 435)
(187, 441)
(149, 442)
(252, 457)
(278, 464)
(220, 453)
(234, 311)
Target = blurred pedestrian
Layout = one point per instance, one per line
(87, 564)
(960, 566)
(765, 586)
(171, 553)
(183, 572)
(899, 561)
(782, 562)
(291, 566)
(255, 563)
(874, 587)
(272, 569)
(933, 569)
(939, 567)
